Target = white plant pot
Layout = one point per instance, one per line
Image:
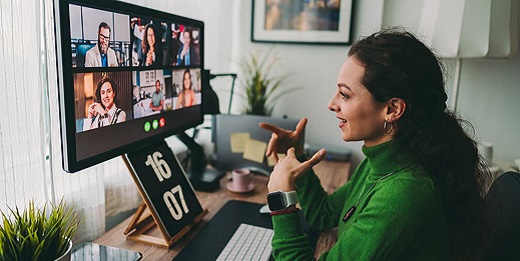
(67, 255)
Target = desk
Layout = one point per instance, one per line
(331, 174)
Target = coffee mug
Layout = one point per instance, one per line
(242, 180)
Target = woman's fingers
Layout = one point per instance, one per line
(271, 128)
(271, 146)
(315, 159)
(282, 139)
(301, 125)
(290, 152)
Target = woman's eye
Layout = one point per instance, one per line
(344, 95)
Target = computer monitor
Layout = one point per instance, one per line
(126, 78)
(225, 130)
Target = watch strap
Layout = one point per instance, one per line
(284, 211)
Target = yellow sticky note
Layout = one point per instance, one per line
(255, 150)
(238, 141)
(270, 161)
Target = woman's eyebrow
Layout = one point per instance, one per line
(343, 85)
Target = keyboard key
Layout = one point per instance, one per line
(248, 243)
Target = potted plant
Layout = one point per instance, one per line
(261, 88)
(38, 233)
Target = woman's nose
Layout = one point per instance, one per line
(332, 106)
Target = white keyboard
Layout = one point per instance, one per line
(248, 243)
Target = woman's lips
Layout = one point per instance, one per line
(342, 122)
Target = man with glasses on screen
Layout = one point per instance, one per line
(101, 55)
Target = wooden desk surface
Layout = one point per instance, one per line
(331, 174)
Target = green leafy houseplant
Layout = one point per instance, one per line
(262, 89)
(35, 234)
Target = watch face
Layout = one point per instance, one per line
(276, 201)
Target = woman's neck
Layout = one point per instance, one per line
(372, 143)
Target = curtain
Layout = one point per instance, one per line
(22, 163)
(30, 144)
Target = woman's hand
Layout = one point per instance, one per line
(289, 169)
(281, 139)
(94, 109)
(149, 58)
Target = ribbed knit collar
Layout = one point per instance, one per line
(386, 158)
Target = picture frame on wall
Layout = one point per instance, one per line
(302, 21)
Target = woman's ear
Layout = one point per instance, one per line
(395, 109)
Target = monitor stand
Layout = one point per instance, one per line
(201, 177)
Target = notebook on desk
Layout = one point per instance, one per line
(214, 236)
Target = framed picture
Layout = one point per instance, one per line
(302, 21)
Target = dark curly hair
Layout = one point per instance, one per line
(398, 65)
(145, 45)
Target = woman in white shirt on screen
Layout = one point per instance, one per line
(104, 111)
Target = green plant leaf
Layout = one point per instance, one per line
(35, 234)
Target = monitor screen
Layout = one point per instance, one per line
(128, 76)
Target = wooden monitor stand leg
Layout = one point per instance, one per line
(140, 224)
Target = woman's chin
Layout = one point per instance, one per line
(349, 138)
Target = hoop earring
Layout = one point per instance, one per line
(391, 127)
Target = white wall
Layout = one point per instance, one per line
(489, 97)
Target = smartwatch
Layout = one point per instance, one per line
(280, 200)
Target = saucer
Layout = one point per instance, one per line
(250, 187)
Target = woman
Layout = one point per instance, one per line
(104, 111)
(186, 97)
(418, 193)
(151, 46)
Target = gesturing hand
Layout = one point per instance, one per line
(282, 139)
(149, 58)
(184, 51)
(94, 109)
(289, 169)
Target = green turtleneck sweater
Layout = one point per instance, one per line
(401, 217)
